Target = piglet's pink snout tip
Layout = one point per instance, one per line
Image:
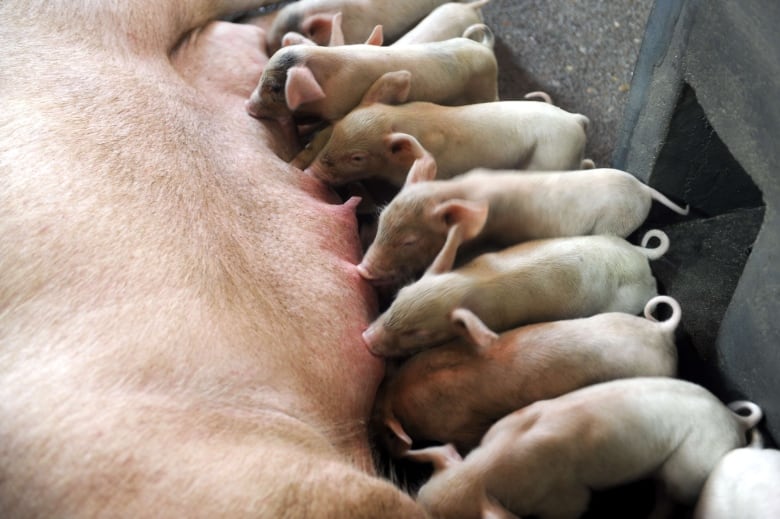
(372, 337)
(376, 279)
(252, 107)
(364, 272)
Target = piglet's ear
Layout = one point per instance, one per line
(319, 27)
(301, 87)
(377, 36)
(391, 88)
(473, 328)
(469, 215)
(445, 259)
(423, 169)
(403, 148)
(441, 456)
(463, 220)
(336, 34)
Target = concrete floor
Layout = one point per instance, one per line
(581, 52)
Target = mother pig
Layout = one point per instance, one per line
(157, 256)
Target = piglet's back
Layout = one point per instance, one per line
(547, 280)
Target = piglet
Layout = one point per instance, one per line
(380, 137)
(503, 208)
(449, 20)
(314, 18)
(544, 460)
(536, 281)
(327, 82)
(454, 393)
(744, 484)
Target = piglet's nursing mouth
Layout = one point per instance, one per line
(364, 273)
(252, 108)
(372, 337)
(316, 171)
(377, 280)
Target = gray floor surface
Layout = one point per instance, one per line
(581, 52)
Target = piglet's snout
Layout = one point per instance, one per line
(375, 275)
(373, 337)
(318, 169)
(365, 273)
(252, 105)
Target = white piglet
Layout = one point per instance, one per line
(536, 281)
(503, 208)
(455, 392)
(380, 138)
(544, 460)
(313, 82)
(744, 484)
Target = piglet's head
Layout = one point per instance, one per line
(404, 244)
(421, 225)
(384, 341)
(285, 85)
(354, 150)
(417, 319)
(361, 146)
(362, 143)
(267, 99)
